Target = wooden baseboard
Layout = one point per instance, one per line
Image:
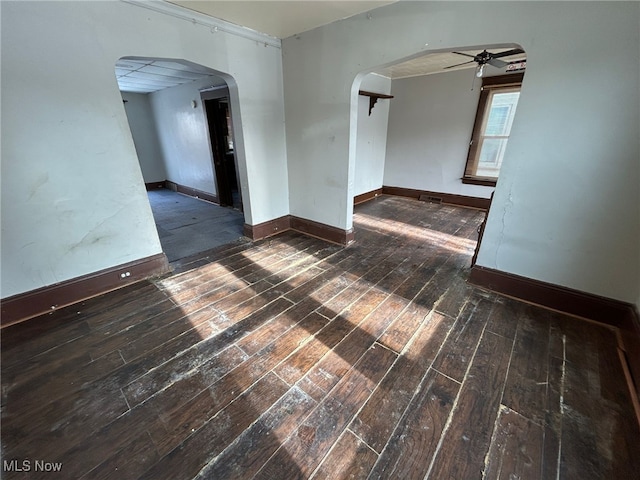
(267, 229)
(450, 198)
(574, 302)
(621, 315)
(320, 230)
(302, 225)
(46, 299)
(365, 197)
(192, 192)
(156, 185)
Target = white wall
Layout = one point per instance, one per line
(184, 135)
(372, 135)
(566, 207)
(430, 125)
(73, 198)
(145, 138)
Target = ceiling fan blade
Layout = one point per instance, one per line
(458, 64)
(497, 63)
(465, 54)
(508, 53)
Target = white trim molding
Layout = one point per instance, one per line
(197, 18)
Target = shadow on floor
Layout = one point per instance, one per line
(187, 225)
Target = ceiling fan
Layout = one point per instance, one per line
(483, 58)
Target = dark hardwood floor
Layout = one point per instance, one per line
(294, 358)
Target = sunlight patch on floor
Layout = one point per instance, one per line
(444, 240)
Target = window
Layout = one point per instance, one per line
(496, 109)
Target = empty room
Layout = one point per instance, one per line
(359, 239)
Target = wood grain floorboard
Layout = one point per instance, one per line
(410, 450)
(350, 458)
(207, 442)
(398, 387)
(302, 452)
(526, 387)
(291, 358)
(259, 442)
(461, 343)
(465, 442)
(516, 448)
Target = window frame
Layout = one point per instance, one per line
(489, 85)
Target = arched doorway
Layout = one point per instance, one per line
(175, 132)
(431, 118)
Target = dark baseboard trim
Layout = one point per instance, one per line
(615, 313)
(365, 197)
(192, 192)
(450, 198)
(320, 230)
(156, 185)
(574, 302)
(302, 225)
(46, 299)
(267, 229)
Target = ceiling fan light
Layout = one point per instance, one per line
(480, 70)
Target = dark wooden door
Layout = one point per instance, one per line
(222, 147)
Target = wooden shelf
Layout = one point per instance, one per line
(373, 98)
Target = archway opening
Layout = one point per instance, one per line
(182, 124)
(429, 114)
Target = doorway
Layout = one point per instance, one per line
(220, 125)
(170, 130)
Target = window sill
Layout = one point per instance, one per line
(486, 182)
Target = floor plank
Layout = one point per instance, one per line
(398, 387)
(302, 452)
(516, 448)
(468, 436)
(350, 458)
(415, 440)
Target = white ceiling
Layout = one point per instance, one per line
(437, 63)
(140, 75)
(281, 19)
